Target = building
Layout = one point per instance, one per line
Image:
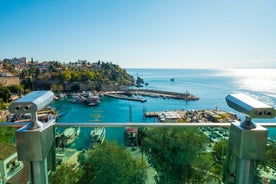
(170, 116)
(21, 61)
(9, 164)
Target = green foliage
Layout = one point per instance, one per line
(7, 135)
(28, 84)
(57, 87)
(3, 105)
(16, 89)
(5, 93)
(65, 76)
(177, 154)
(66, 174)
(271, 153)
(220, 150)
(111, 163)
(31, 72)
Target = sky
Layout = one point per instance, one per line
(142, 33)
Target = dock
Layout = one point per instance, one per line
(189, 116)
(153, 114)
(161, 94)
(120, 95)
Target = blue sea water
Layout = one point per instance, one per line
(211, 86)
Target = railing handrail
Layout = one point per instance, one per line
(134, 124)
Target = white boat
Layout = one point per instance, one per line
(70, 135)
(93, 100)
(97, 135)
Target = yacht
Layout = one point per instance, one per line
(97, 136)
(67, 137)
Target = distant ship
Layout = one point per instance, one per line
(97, 136)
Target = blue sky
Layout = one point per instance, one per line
(142, 33)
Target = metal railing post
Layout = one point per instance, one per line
(34, 146)
(35, 140)
(246, 145)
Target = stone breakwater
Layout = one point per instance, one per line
(161, 94)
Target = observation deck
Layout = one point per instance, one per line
(152, 153)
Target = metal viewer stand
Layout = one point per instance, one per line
(247, 141)
(35, 140)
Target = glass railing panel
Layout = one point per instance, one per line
(141, 155)
(266, 169)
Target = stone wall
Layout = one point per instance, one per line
(8, 81)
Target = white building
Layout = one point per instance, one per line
(21, 61)
(9, 164)
(169, 116)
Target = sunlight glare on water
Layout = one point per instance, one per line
(260, 80)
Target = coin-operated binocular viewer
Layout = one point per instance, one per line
(35, 140)
(247, 141)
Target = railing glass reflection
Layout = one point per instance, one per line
(147, 155)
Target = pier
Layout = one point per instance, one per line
(162, 94)
(121, 95)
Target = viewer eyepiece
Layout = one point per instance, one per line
(250, 106)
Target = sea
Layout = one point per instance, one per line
(211, 86)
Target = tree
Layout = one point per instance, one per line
(177, 154)
(65, 76)
(111, 163)
(66, 174)
(3, 105)
(60, 88)
(220, 150)
(16, 89)
(7, 134)
(5, 93)
(54, 87)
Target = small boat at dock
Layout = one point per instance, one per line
(97, 136)
(67, 137)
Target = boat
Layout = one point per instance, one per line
(97, 136)
(130, 136)
(76, 99)
(71, 134)
(67, 137)
(172, 79)
(93, 100)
